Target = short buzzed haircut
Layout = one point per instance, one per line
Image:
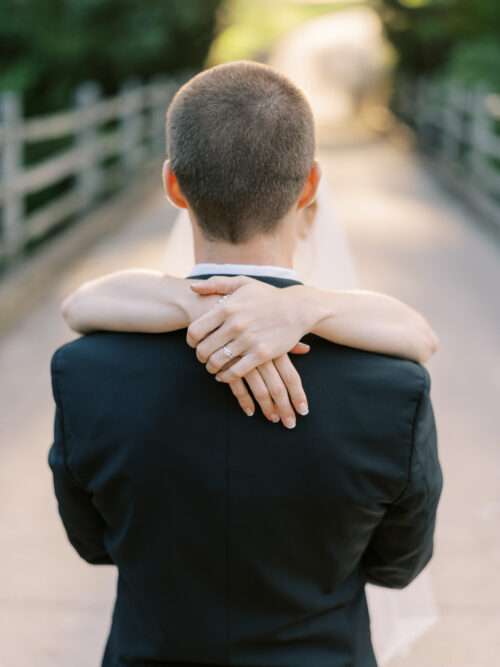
(240, 139)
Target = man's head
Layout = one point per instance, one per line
(240, 142)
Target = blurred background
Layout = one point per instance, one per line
(406, 95)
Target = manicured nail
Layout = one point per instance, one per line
(290, 422)
(275, 418)
(249, 412)
(303, 409)
(218, 378)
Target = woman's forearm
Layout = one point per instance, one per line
(149, 301)
(369, 321)
(133, 300)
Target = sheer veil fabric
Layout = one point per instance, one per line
(398, 617)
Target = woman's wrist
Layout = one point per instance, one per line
(178, 301)
(188, 303)
(311, 307)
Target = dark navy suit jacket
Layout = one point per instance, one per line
(239, 542)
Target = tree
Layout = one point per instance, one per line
(47, 47)
(455, 37)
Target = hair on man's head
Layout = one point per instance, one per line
(240, 139)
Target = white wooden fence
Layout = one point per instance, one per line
(137, 133)
(458, 129)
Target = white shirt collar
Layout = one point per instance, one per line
(244, 269)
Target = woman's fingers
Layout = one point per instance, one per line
(241, 368)
(218, 361)
(243, 397)
(254, 358)
(279, 393)
(261, 394)
(219, 284)
(226, 335)
(300, 348)
(225, 343)
(293, 383)
(204, 325)
(275, 386)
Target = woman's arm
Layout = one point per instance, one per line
(371, 321)
(134, 300)
(152, 302)
(260, 321)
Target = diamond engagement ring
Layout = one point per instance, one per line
(227, 351)
(222, 298)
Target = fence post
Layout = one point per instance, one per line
(164, 93)
(11, 168)
(400, 97)
(157, 107)
(419, 108)
(88, 176)
(132, 125)
(453, 124)
(479, 131)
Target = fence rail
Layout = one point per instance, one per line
(457, 127)
(134, 132)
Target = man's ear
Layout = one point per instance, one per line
(171, 187)
(310, 188)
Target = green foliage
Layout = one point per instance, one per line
(47, 47)
(455, 37)
(475, 61)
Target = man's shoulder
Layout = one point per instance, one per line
(91, 343)
(385, 366)
(100, 346)
(380, 372)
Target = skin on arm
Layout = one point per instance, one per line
(260, 322)
(138, 300)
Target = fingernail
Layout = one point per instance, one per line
(290, 422)
(275, 418)
(249, 412)
(218, 378)
(303, 409)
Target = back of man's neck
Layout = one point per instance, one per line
(264, 251)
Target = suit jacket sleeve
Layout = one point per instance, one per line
(83, 524)
(402, 543)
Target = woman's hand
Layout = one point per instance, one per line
(256, 322)
(265, 333)
(277, 388)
